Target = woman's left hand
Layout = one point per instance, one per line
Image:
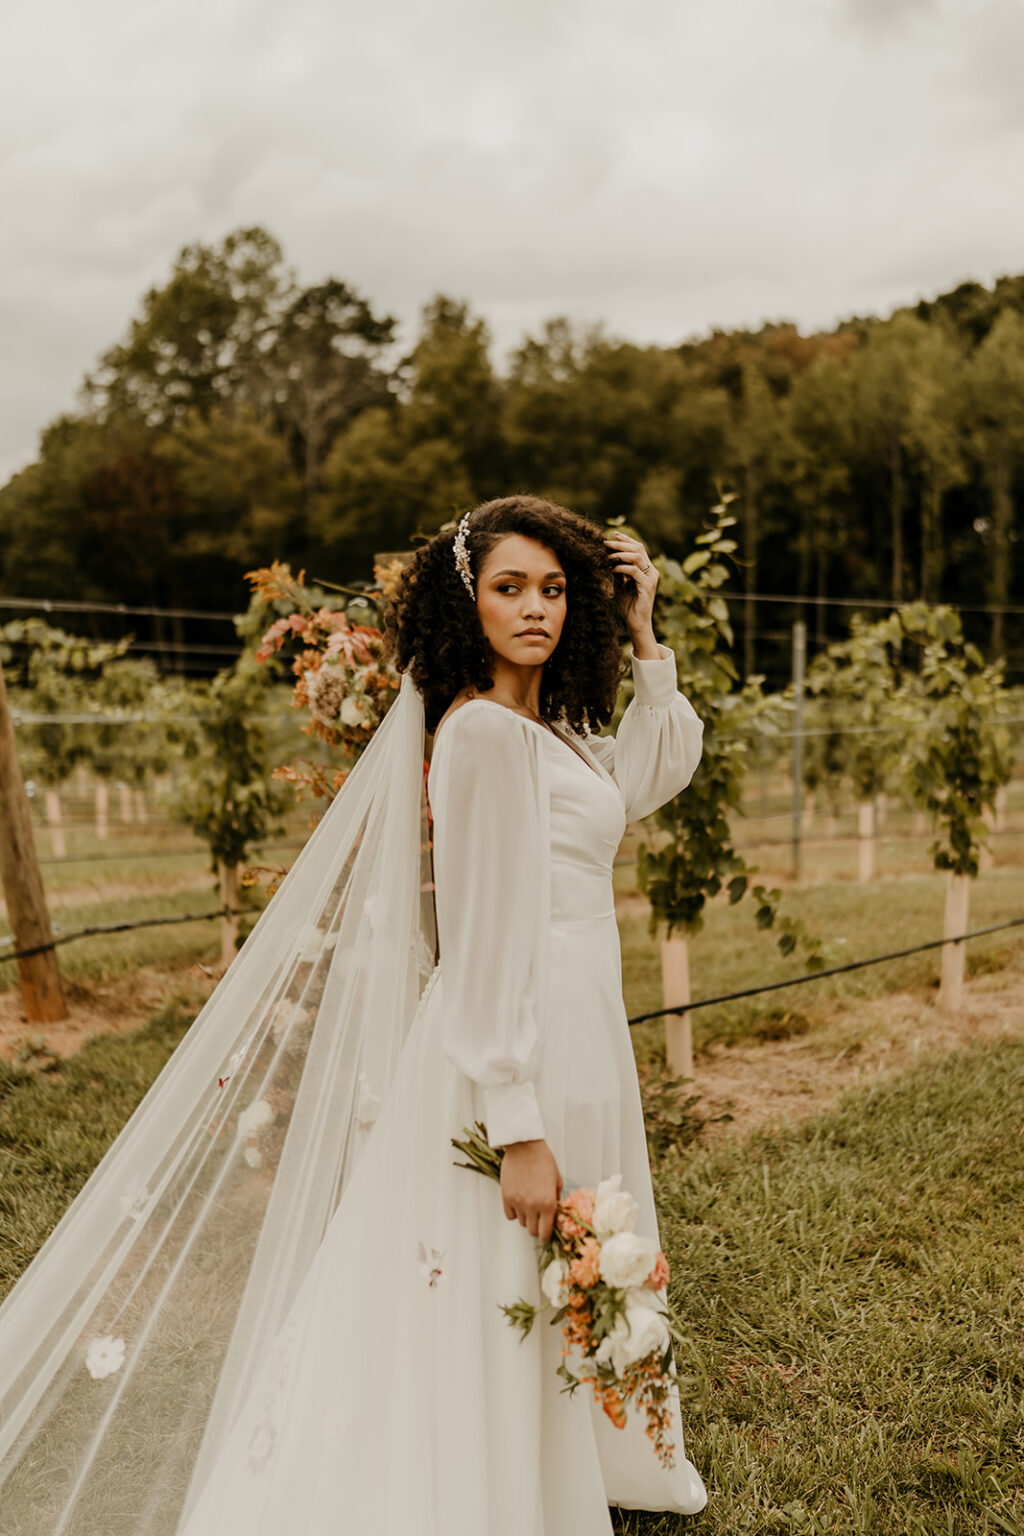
(636, 598)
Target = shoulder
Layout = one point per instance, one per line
(483, 741)
(477, 719)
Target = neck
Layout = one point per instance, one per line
(517, 686)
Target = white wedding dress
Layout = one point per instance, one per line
(397, 1400)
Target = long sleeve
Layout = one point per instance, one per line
(655, 751)
(489, 795)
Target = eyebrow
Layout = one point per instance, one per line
(523, 576)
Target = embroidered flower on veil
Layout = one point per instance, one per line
(367, 1104)
(430, 1264)
(104, 1356)
(134, 1202)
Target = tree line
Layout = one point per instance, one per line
(244, 418)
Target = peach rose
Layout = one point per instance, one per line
(658, 1277)
(581, 1201)
(586, 1270)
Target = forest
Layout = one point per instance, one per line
(244, 419)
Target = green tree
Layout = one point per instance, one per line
(996, 382)
(201, 339)
(451, 394)
(237, 495)
(324, 368)
(382, 488)
(758, 448)
(819, 417)
(936, 436)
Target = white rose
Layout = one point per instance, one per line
(615, 1210)
(627, 1260)
(554, 1282)
(640, 1331)
(253, 1156)
(351, 711)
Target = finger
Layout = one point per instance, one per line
(510, 1211)
(533, 1224)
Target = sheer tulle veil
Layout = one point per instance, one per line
(129, 1343)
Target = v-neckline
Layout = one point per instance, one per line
(549, 730)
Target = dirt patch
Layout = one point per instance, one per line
(115, 1005)
(779, 1081)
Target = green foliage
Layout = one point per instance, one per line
(854, 684)
(63, 675)
(690, 858)
(961, 752)
(229, 798)
(921, 705)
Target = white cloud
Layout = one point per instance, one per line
(662, 167)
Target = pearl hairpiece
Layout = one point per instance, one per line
(462, 555)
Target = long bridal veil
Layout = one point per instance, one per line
(129, 1343)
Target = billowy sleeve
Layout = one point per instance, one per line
(655, 751)
(489, 796)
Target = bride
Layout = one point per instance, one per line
(275, 1304)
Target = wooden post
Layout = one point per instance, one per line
(799, 656)
(23, 884)
(865, 840)
(102, 807)
(55, 821)
(228, 925)
(126, 801)
(675, 989)
(951, 988)
(986, 859)
(141, 809)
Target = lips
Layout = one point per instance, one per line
(541, 634)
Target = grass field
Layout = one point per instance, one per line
(854, 1293)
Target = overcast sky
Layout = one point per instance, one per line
(664, 166)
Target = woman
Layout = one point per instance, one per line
(394, 1398)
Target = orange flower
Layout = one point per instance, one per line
(580, 1202)
(611, 1402)
(586, 1270)
(658, 1277)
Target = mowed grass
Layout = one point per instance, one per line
(853, 1293)
(56, 1125)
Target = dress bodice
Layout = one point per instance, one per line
(525, 832)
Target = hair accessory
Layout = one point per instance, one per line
(462, 555)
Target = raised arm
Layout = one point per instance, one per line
(655, 751)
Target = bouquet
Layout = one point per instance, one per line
(606, 1287)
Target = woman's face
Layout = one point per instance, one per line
(521, 588)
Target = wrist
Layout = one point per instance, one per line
(645, 646)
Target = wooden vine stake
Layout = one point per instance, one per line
(23, 884)
(675, 987)
(951, 987)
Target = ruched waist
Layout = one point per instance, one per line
(580, 893)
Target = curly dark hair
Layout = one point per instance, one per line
(433, 631)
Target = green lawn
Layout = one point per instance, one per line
(854, 1292)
